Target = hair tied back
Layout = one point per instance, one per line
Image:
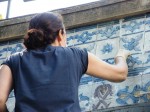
(34, 39)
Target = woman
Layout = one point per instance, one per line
(45, 77)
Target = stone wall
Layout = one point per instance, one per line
(102, 28)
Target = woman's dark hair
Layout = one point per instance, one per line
(43, 30)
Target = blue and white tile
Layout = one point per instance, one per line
(85, 36)
(108, 32)
(90, 47)
(2, 60)
(135, 65)
(11, 104)
(86, 79)
(14, 47)
(128, 92)
(146, 63)
(85, 95)
(135, 60)
(131, 26)
(147, 23)
(133, 43)
(145, 88)
(147, 41)
(107, 48)
(102, 94)
(110, 60)
(70, 38)
(3, 50)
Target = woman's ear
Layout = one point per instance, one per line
(60, 35)
(61, 38)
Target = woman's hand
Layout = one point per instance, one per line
(123, 53)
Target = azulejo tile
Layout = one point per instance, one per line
(85, 97)
(70, 38)
(10, 104)
(11, 95)
(135, 60)
(133, 43)
(107, 32)
(102, 93)
(14, 47)
(90, 47)
(145, 88)
(110, 60)
(128, 92)
(3, 50)
(135, 65)
(146, 63)
(84, 36)
(147, 42)
(86, 79)
(2, 60)
(133, 26)
(147, 23)
(107, 48)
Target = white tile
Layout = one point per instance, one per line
(107, 48)
(108, 32)
(85, 36)
(133, 43)
(13, 48)
(90, 47)
(70, 39)
(85, 97)
(133, 26)
(128, 92)
(147, 41)
(3, 50)
(145, 88)
(102, 94)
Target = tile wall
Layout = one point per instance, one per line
(104, 40)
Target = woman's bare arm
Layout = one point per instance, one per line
(6, 82)
(101, 69)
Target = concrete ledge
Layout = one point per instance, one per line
(81, 15)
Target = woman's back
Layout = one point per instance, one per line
(47, 80)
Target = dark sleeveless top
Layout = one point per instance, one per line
(47, 80)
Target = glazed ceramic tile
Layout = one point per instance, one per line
(85, 97)
(85, 36)
(110, 60)
(3, 50)
(90, 47)
(131, 26)
(2, 60)
(70, 39)
(86, 79)
(133, 43)
(11, 104)
(147, 41)
(11, 95)
(102, 93)
(146, 63)
(128, 92)
(107, 48)
(147, 23)
(102, 105)
(14, 47)
(135, 64)
(145, 93)
(107, 32)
